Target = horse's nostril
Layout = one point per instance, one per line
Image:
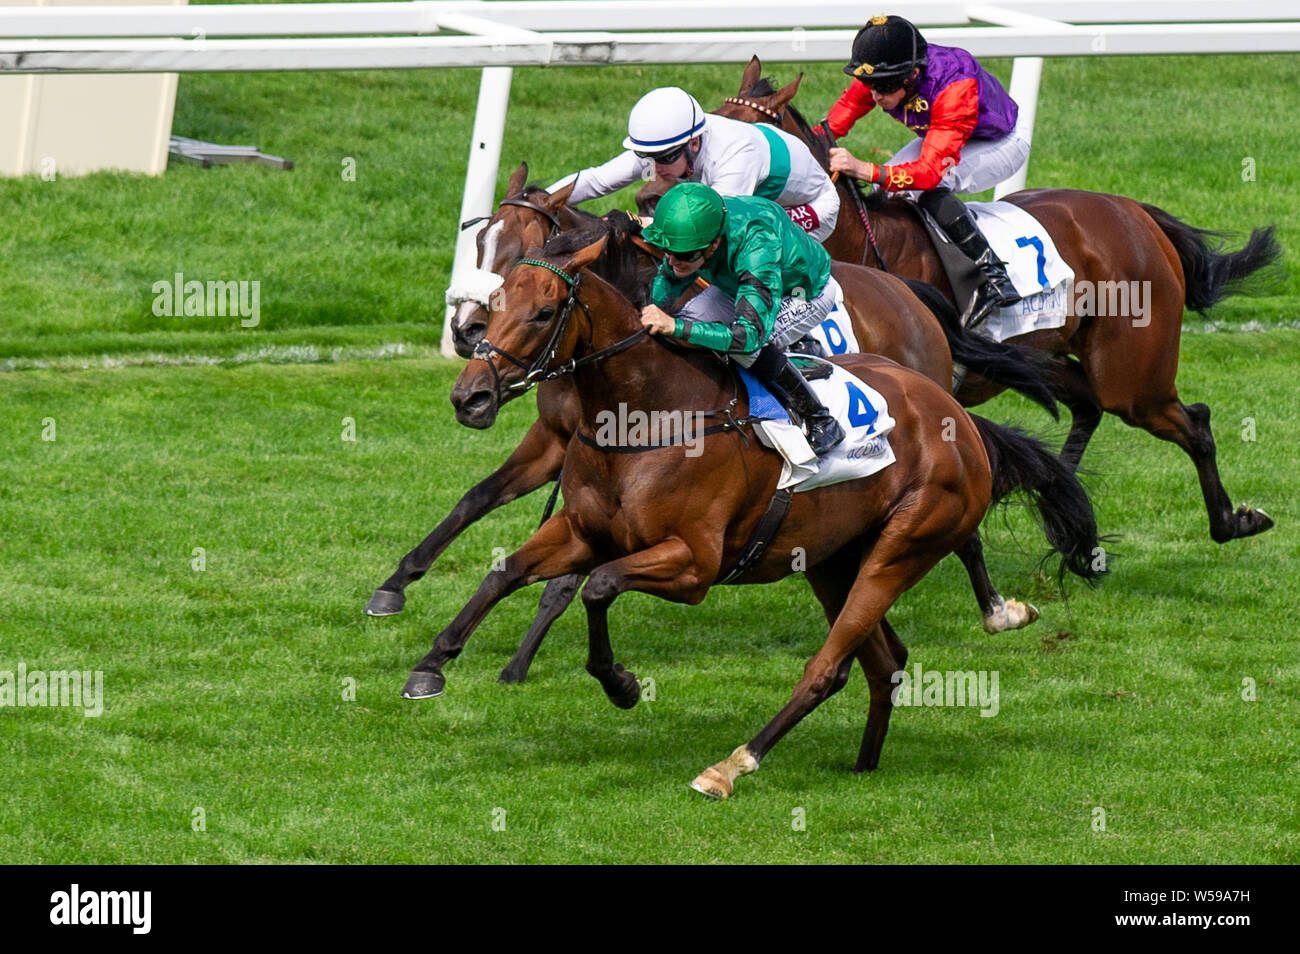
(477, 402)
(467, 337)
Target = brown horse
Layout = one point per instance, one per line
(1122, 364)
(902, 329)
(663, 522)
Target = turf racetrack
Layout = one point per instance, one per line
(252, 696)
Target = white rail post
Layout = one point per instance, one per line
(480, 176)
(1026, 73)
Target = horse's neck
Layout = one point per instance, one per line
(646, 376)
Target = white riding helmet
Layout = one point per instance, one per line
(663, 118)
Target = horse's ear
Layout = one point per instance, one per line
(518, 179)
(786, 93)
(556, 200)
(585, 256)
(752, 73)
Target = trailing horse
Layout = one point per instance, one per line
(1099, 363)
(672, 524)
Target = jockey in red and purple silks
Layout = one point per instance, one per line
(966, 127)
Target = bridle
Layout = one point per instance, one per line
(538, 370)
(523, 204)
(756, 107)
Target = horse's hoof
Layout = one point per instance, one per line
(1253, 521)
(712, 783)
(423, 685)
(628, 692)
(1012, 614)
(510, 676)
(385, 603)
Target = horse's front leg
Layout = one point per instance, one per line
(534, 462)
(552, 551)
(666, 569)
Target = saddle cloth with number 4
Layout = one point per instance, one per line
(861, 411)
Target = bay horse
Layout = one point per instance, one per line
(658, 521)
(1119, 364)
(897, 326)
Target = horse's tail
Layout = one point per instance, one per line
(1210, 275)
(1019, 462)
(1009, 366)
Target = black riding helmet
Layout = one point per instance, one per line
(886, 48)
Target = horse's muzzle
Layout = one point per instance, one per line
(476, 401)
(468, 327)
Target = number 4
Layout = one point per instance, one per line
(861, 413)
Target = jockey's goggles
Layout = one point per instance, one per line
(663, 158)
(689, 258)
(884, 85)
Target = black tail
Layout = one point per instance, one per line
(1012, 367)
(1019, 462)
(1210, 275)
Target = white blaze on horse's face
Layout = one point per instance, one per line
(490, 239)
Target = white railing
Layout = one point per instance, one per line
(498, 36)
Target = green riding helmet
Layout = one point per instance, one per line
(687, 219)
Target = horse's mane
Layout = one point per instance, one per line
(622, 263)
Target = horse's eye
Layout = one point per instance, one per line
(545, 316)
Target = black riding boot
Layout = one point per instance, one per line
(787, 385)
(951, 215)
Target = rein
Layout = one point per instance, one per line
(855, 190)
(538, 370)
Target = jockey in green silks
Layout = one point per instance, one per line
(769, 283)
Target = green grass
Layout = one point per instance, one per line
(224, 687)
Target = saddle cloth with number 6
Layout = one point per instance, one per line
(861, 411)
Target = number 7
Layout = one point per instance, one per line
(1027, 240)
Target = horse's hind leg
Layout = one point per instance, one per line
(535, 461)
(1141, 391)
(999, 614)
(1072, 388)
(886, 573)
(557, 596)
(881, 656)
(1188, 426)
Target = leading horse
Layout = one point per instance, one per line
(900, 328)
(658, 521)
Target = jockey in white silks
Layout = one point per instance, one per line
(668, 134)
